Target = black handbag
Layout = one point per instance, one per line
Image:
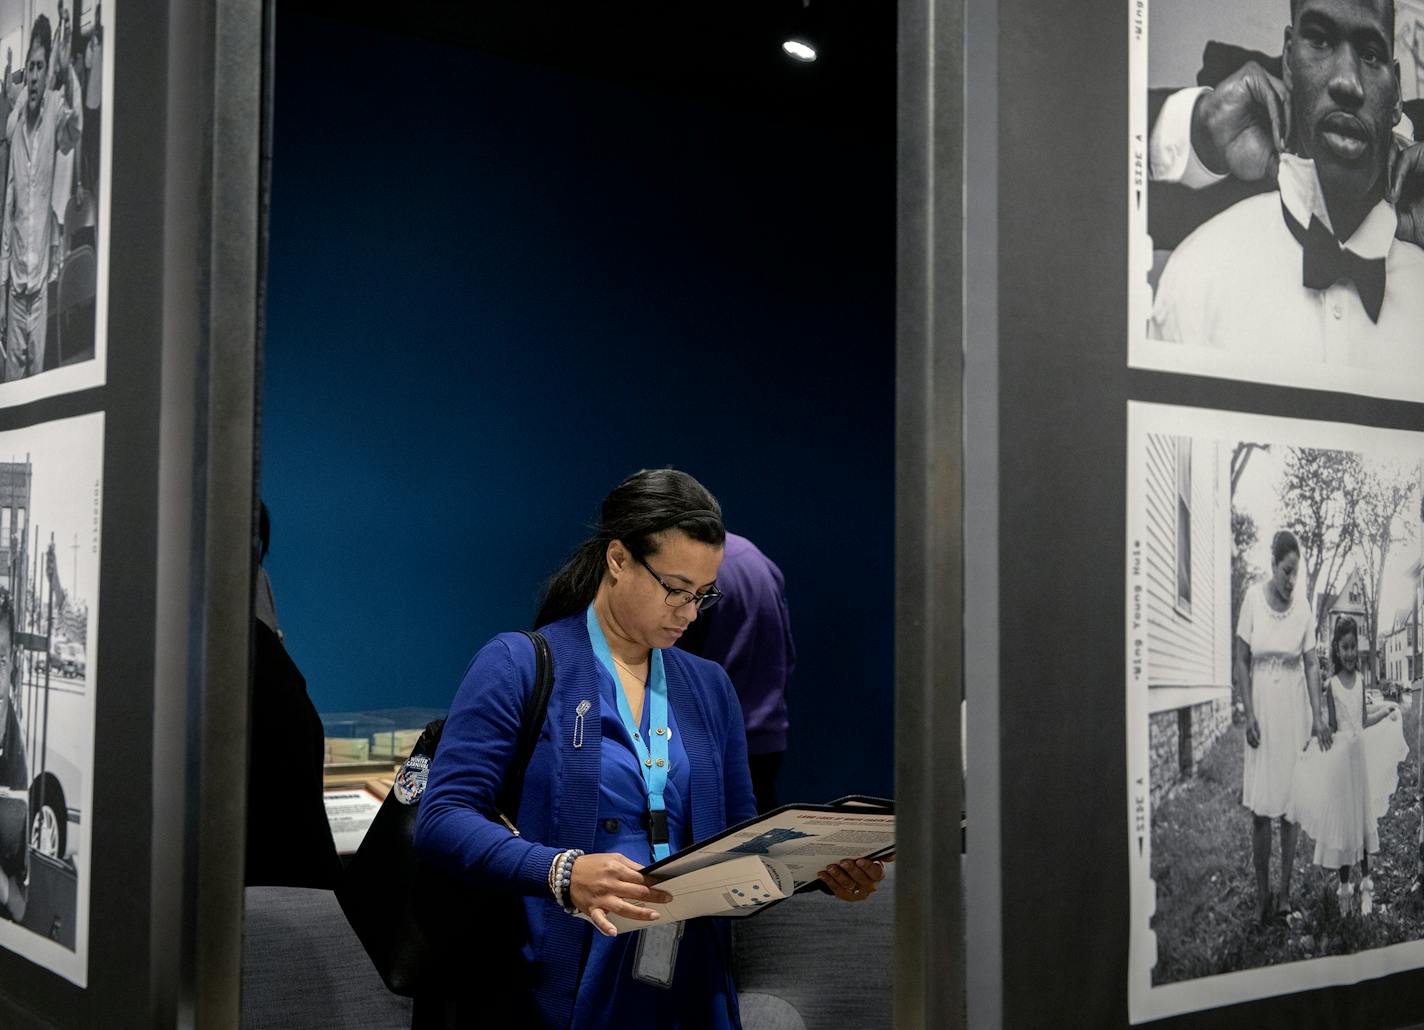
(414, 921)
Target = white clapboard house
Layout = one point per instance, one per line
(1187, 555)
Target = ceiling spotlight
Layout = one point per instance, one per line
(799, 50)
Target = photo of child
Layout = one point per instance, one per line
(1275, 583)
(1341, 790)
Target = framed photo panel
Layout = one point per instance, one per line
(55, 162)
(1273, 591)
(1265, 237)
(50, 528)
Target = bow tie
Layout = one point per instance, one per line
(1325, 262)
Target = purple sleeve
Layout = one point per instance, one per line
(456, 828)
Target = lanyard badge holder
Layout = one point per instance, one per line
(656, 954)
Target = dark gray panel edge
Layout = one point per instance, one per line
(232, 292)
(929, 983)
(205, 508)
(982, 869)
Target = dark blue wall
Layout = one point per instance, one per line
(496, 290)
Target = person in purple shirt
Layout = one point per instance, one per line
(749, 635)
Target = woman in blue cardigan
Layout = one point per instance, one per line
(642, 754)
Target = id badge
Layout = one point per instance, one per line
(656, 956)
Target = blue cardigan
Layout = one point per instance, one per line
(559, 806)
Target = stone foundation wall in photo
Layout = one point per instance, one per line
(1179, 738)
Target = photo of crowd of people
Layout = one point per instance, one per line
(51, 230)
(1274, 696)
(50, 521)
(1278, 200)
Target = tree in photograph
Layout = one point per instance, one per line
(1240, 457)
(1319, 492)
(1244, 572)
(1244, 531)
(1382, 520)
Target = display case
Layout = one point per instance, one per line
(364, 750)
(380, 737)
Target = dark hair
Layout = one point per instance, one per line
(41, 34)
(1344, 628)
(1283, 544)
(1389, 20)
(636, 511)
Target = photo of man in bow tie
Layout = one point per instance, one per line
(1312, 272)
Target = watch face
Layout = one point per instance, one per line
(410, 782)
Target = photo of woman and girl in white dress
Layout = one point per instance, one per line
(1319, 757)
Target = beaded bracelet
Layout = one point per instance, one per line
(553, 874)
(553, 879)
(566, 876)
(561, 876)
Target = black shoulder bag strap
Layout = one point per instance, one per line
(530, 726)
(412, 919)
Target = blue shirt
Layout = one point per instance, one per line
(560, 807)
(702, 993)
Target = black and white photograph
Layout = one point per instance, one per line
(1273, 696)
(50, 518)
(54, 224)
(1276, 192)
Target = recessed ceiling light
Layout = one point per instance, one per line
(799, 50)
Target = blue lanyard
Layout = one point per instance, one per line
(654, 751)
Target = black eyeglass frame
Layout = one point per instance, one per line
(703, 601)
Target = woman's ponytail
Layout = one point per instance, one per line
(643, 505)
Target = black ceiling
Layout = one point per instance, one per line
(722, 53)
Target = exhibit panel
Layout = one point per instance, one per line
(128, 252)
(56, 161)
(1215, 237)
(1214, 500)
(1155, 436)
(50, 518)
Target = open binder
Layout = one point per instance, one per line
(751, 866)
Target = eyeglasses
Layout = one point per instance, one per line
(677, 597)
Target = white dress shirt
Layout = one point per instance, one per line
(1170, 154)
(1235, 285)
